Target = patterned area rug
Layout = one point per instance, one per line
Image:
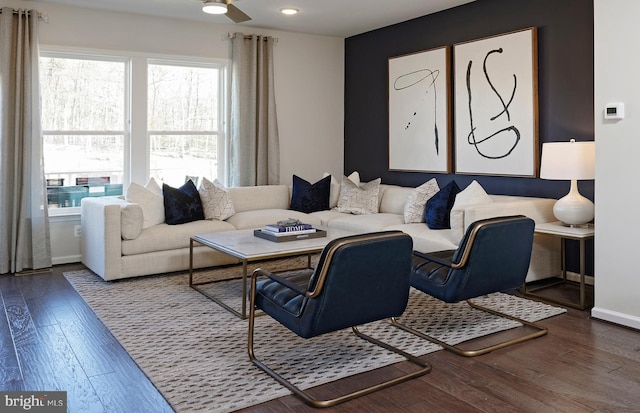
(195, 353)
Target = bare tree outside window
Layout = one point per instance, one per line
(86, 114)
(183, 121)
(83, 121)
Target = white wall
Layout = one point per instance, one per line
(309, 74)
(617, 197)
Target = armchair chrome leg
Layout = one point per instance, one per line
(539, 331)
(308, 399)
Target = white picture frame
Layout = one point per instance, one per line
(496, 105)
(419, 111)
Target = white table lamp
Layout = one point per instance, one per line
(571, 161)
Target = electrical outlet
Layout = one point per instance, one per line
(77, 231)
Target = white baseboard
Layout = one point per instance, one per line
(69, 259)
(616, 317)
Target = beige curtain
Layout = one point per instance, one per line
(254, 153)
(24, 226)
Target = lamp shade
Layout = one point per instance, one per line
(568, 160)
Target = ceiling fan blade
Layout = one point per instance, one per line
(236, 14)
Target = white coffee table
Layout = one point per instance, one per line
(242, 244)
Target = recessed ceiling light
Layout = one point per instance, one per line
(289, 11)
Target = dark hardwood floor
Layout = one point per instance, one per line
(51, 340)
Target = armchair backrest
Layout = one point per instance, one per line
(494, 255)
(358, 279)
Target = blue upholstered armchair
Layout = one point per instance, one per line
(357, 280)
(493, 256)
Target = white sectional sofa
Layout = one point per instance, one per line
(111, 250)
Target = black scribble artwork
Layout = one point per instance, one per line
(415, 79)
(472, 139)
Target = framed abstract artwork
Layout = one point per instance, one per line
(496, 105)
(419, 115)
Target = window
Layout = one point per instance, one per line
(83, 122)
(183, 121)
(90, 145)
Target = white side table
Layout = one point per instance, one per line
(565, 233)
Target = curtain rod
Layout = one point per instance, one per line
(249, 37)
(41, 15)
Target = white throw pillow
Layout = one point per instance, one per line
(131, 220)
(414, 208)
(472, 195)
(154, 186)
(359, 200)
(150, 200)
(216, 200)
(334, 189)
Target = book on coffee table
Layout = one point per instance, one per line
(306, 234)
(288, 228)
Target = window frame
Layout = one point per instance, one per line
(136, 133)
(125, 132)
(221, 116)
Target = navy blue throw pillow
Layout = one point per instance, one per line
(438, 208)
(182, 204)
(307, 197)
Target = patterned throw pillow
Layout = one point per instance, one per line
(438, 208)
(216, 200)
(307, 197)
(334, 191)
(182, 205)
(359, 200)
(417, 200)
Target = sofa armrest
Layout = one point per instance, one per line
(101, 242)
(545, 255)
(538, 209)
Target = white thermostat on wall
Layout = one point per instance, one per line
(614, 111)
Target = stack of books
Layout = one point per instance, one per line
(280, 230)
(289, 230)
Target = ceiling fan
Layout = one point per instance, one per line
(224, 7)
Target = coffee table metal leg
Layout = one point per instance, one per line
(196, 286)
(244, 289)
(190, 262)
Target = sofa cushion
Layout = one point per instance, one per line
(163, 237)
(359, 200)
(182, 205)
(366, 223)
(393, 198)
(327, 216)
(216, 200)
(261, 217)
(439, 206)
(417, 201)
(150, 199)
(473, 194)
(307, 197)
(250, 198)
(426, 239)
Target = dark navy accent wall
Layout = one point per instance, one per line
(565, 83)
